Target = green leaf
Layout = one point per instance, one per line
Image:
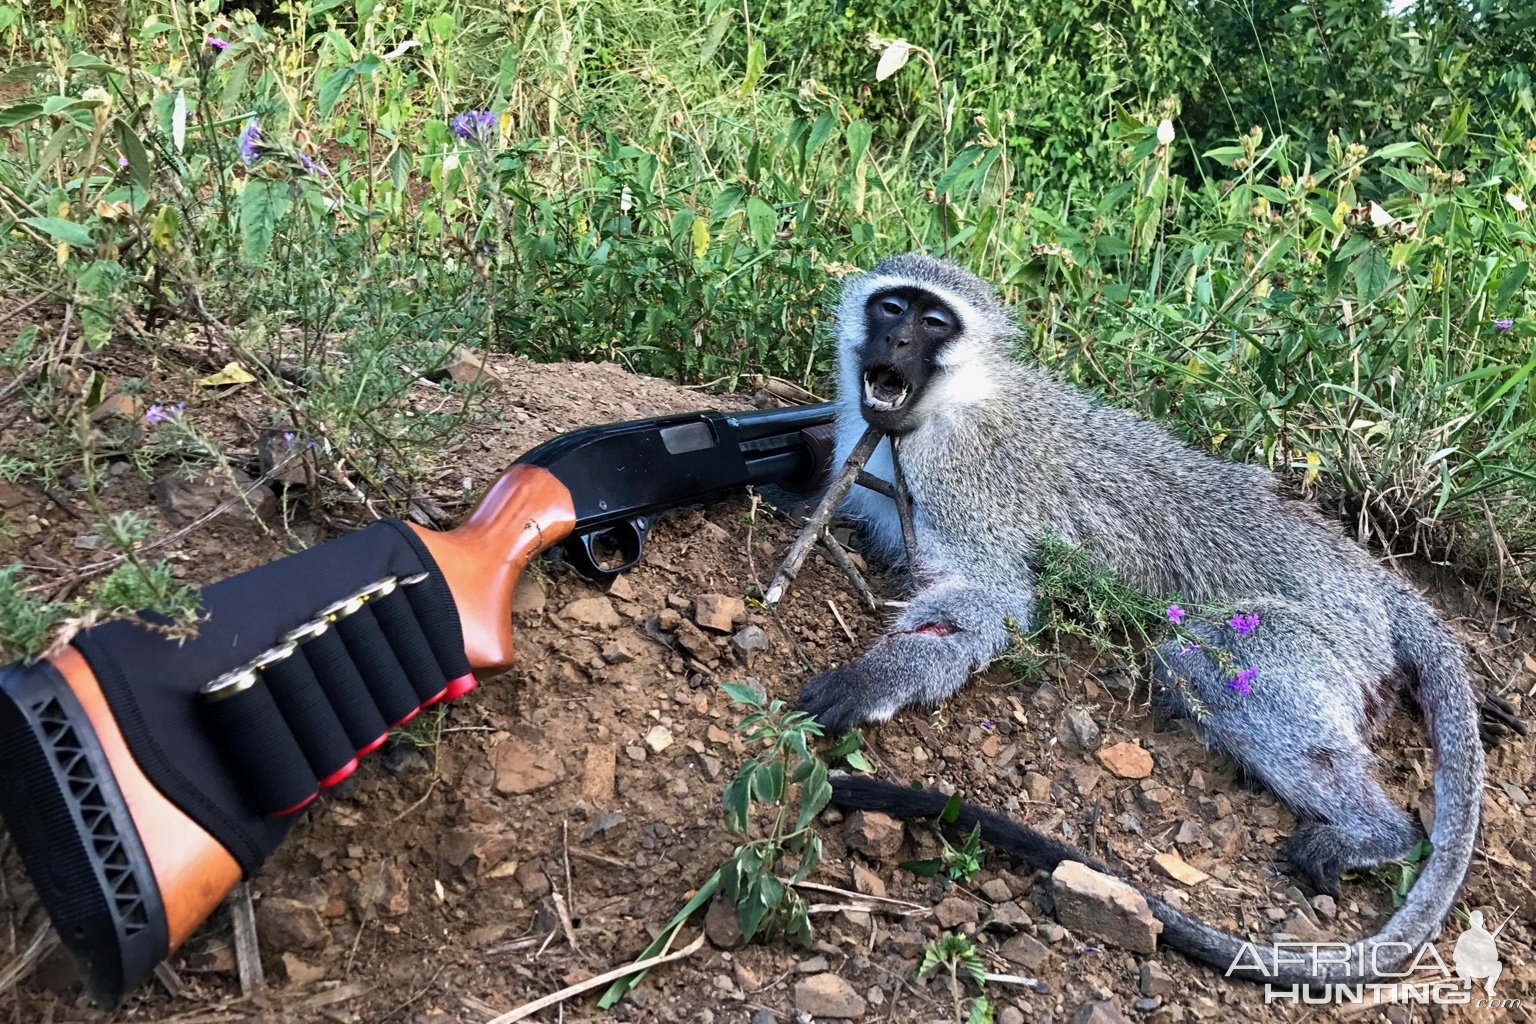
(744, 693)
(1371, 271)
(815, 794)
(924, 868)
(761, 221)
(262, 207)
(20, 113)
(757, 57)
(715, 36)
(620, 988)
(857, 762)
(951, 809)
(134, 152)
(859, 135)
(738, 799)
(61, 230)
(334, 87)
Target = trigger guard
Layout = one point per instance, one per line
(630, 536)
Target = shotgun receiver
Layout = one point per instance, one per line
(142, 778)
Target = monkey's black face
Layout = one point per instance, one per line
(904, 330)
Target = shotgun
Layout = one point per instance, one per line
(142, 778)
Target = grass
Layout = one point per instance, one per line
(1343, 295)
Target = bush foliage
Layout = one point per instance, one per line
(1298, 232)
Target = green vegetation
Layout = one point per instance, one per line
(958, 957)
(958, 865)
(1300, 234)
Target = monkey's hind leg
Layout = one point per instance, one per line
(1298, 729)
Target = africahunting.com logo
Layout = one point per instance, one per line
(1404, 975)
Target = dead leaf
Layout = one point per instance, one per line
(1178, 869)
(233, 373)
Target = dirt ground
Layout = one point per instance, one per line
(423, 890)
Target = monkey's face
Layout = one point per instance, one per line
(905, 329)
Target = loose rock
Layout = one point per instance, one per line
(1104, 907)
(827, 995)
(1178, 869)
(1026, 951)
(522, 768)
(659, 738)
(1127, 760)
(719, 612)
(722, 925)
(749, 642)
(1104, 1012)
(597, 777)
(874, 833)
(1078, 730)
(284, 924)
(591, 611)
(955, 911)
(1155, 981)
(184, 499)
(464, 366)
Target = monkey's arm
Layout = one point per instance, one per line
(952, 628)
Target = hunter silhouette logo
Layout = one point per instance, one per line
(1476, 956)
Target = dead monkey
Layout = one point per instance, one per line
(997, 453)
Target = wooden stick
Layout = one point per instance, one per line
(904, 506)
(529, 1009)
(874, 483)
(800, 550)
(840, 559)
(247, 951)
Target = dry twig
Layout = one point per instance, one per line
(816, 525)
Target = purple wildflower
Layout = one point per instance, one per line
(250, 141)
(1175, 614)
(1243, 681)
(287, 440)
(1503, 323)
(1244, 622)
(216, 42)
(122, 161)
(1185, 651)
(155, 413)
(312, 166)
(475, 125)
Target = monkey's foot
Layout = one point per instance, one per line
(1318, 851)
(845, 696)
(1497, 718)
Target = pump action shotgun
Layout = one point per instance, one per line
(143, 778)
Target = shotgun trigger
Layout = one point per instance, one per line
(604, 553)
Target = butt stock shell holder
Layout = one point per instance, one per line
(296, 718)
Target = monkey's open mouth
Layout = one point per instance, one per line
(885, 389)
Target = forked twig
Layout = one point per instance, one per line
(800, 550)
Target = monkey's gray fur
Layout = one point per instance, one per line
(1003, 452)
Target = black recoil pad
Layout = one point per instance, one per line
(314, 723)
(274, 773)
(377, 664)
(398, 621)
(345, 691)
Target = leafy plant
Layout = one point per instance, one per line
(958, 956)
(958, 865)
(784, 785)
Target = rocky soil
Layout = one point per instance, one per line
(426, 889)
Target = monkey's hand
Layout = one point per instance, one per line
(949, 631)
(1497, 718)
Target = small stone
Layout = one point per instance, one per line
(763, 1017)
(184, 499)
(874, 833)
(1078, 731)
(1081, 778)
(1189, 833)
(622, 589)
(1010, 1015)
(659, 738)
(522, 768)
(404, 759)
(693, 640)
(87, 542)
(465, 365)
(117, 406)
(1178, 869)
(1127, 760)
(722, 925)
(591, 611)
(1155, 981)
(1026, 951)
(1103, 1012)
(1008, 916)
(813, 965)
(749, 642)
(617, 654)
(532, 880)
(1104, 907)
(1037, 787)
(827, 995)
(598, 774)
(284, 924)
(604, 823)
(528, 596)
(668, 619)
(391, 891)
(300, 973)
(1326, 907)
(867, 882)
(1148, 1004)
(719, 612)
(996, 890)
(1517, 796)
(955, 911)
(1299, 926)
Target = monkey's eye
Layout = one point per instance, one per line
(937, 319)
(892, 306)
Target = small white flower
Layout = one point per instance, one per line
(1164, 132)
(626, 200)
(1380, 218)
(1513, 199)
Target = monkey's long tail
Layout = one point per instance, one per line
(1446, 699)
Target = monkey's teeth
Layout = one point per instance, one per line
(883, 404)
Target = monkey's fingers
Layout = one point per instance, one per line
(1498, 718)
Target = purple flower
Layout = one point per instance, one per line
(287, 439)
(1185, 651)
(475, 125)
(122, 161)
(250, 141)
(1503, 323)
(1244, 622)
(1243, 681)
(312, 166)
(1175, 614)
(216, 42)
(155, 413)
